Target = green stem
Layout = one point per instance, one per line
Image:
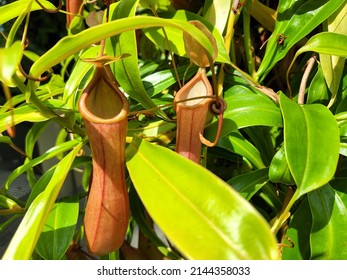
(284, 214)
(246, 17)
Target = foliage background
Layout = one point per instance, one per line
(280, 189)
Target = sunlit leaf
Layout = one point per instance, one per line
(70, 45)
(298, 231)
(79, 78)
(318, 91)
(332, 66)
(311, 143)
(10, 58)
(21, 114)
(177, 45)
(13, 10)
(250, 183)
(161, 80)
(329, 221)
(212, 215)
(25, 238)
(53, 152)
(236, 143)
(59, 229)
(127, 70)
(279, 171)
(264, 15)
(295, 19)
(217, 13)
(245, 108)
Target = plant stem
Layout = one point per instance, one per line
(227, 41)
(284, 215)
(246, 17)
(302, 89)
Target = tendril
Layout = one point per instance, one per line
(49, 10)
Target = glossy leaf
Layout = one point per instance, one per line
(212, 215)
(70, 45)
(53, 152)
(311, 143)
(79, 78)
(250, 183)
(31, 139)
(264, 15)
(6, 140)
(177, 45)
(161, 80)
(13, 10)
(326, 43)
(10, 58)
(217, 13)
(19, 115)
(138, 213)
(296, 19)
(59, 229)
(246, 108)
(318, 91)
(25, 238)
(127, 70)
(298, 231)
(237, 144)
(279, 171)
(329, 221)
(8, 203)
(332, 66)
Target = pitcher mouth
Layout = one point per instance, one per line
(101, 101)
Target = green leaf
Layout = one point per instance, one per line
(213, 216)
(332, 65)
(329, 221)
(156, 4)
(127, 70)
(217, 13)
(325, 43)
(79, 77)
(6, 140)
(25, 238)
(53, 152)
(245, 108)
(176, 35)
(237, 144)
(279, 171)
(298, 232)
(250, 183)
(22, 114)
(138, 213)
(59, 229)
(161, 80)
(318, 91)
(13, 10)
(311, 143)
(296, 19)
(70, 45)
(10, 58)
(8, 203)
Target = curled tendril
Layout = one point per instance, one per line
(49, 10)
(217, 108)
(41, 79)
(26, 75)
